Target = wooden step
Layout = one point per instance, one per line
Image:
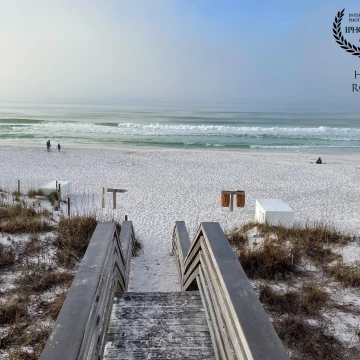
(158, 326)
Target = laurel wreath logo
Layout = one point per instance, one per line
(352, 49)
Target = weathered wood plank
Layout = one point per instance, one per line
(151, 303)
(157, 322)
(157, 331)
(209, 321)
(153, 343)
(157, 296)
(133, 314)
(183, 238)
(158, 326)
(162, 353)
(190, 279)
(214, 320)
(217, 306)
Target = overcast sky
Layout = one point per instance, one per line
(266, 52)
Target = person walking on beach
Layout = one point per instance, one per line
(48, 145)
(59, 147)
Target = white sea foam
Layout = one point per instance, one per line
(156, 129)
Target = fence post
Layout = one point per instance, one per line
(19, 187)
(114, 200)
(103, 198)
(68, 206)
(59, 195)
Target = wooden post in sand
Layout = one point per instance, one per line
(103, 197)
(59, 195)
(19, 187)
(68, 206)
(114, 200)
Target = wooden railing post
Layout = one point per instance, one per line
(68, 206)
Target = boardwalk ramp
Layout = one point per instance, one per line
(216, 315)
(167, 325)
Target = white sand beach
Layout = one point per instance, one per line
(167, 185)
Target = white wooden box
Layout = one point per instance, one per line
(65, 188)
(274, 211)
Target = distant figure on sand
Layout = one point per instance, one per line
(319, 161)
(48, 145)
(59, 147)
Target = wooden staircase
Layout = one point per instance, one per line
(168, 325)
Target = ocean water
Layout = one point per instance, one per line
(195, 126)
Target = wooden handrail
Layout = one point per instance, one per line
(80, 329)
(239, 327)
(181, 245)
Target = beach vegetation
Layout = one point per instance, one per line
(238, 238)
(21, 218)
(72, 238)
(7, 256)
(18, 226)
(12, 311)
(38, 282)
(137, 245)
(267, 261)
(293, 272)
(309, 340)
(32, 193)
(313, 233)
(27, 341)
(53, 307)
(308, 300)
(53, 197)
(348, 275)
(282, 249)
(41, 278)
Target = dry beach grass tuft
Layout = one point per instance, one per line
(38, 256)
(296, 273)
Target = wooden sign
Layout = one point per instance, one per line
(109, 190)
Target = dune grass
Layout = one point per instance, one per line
(22, 218)
(307, 301)
(309, 341)
(269, 253)
(32, 193)
(7, 256)
(282, 249)
(345, 274)
(12, 311)
(41, 279)
(72, 238)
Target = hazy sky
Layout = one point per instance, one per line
(182, 50)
